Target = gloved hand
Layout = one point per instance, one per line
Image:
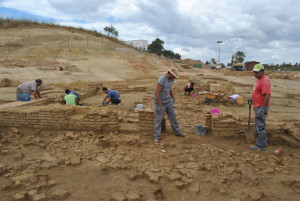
(160, 109)
(173, 100)
(104, 103)
(260, 112)
(250, 100)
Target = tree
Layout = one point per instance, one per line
(157, 46)
(177, 56)
(240, 56)
(111, 30)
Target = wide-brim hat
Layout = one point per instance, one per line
(174, 72)
(258, 67)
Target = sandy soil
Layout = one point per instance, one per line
(129, 166)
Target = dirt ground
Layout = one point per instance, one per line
(79, 165)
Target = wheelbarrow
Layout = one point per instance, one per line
(214, 99)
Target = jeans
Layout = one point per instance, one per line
(115, 101)
(260, 124)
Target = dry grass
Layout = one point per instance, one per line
(13, 23)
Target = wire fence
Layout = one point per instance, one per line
(65, 41)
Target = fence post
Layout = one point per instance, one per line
(23, 41)
(101, 43)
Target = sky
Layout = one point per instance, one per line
(267, 31)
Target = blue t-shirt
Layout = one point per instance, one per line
(113, 94)
(73, 92)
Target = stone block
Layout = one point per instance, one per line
(19, 197)
(60, 194)
(32, 193)
(215, 88)
(118, 196)
(174, 176)
(133, 197)
(75, 160)
(39, 197)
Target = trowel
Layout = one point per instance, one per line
(250, 133)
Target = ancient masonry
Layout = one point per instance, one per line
(146, 118)
(63, 117)
(40, 115)
(124, 88)
(226, 125)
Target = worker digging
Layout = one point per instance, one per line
(31, 87)
(112, 97)
(189, 89)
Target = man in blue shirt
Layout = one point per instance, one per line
(112, 96)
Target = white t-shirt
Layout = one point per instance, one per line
(28, 87)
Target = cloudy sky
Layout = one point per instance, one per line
(265, 30)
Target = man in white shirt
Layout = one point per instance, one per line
(31, 87)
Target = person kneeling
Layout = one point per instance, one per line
(112, 96)
(189, 88)
(71, 99)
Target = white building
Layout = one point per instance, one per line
(139, 44)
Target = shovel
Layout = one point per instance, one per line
(250, 134)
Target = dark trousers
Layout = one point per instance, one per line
(115, 101)
(260, 124)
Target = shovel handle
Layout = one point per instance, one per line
(249, 116)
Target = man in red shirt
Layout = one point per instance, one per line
(261, 101)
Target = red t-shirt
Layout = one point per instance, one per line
(262, 86)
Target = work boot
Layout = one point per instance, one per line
(254, 147)
(156, 140)
(180, 135)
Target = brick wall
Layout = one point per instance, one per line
(226, 125)
(61, 117)
(146, 121)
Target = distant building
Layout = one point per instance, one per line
(139, 44)
(249, 65)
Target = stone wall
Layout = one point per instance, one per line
(226, 125)
(124, 88)
(146, 121)
(61, 117)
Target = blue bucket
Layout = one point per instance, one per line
(200, 130)
(25, 97)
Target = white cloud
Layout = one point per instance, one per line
(259, 28)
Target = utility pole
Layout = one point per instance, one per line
(219, 41)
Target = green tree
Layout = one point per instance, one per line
(170, 54)
(240, 56)
(157, 46)
(177, 56)
(111, 30)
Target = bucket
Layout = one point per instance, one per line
(25, 97)
(239, 100)
(215, 112)
(200, 130)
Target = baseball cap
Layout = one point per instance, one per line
(258, 67)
